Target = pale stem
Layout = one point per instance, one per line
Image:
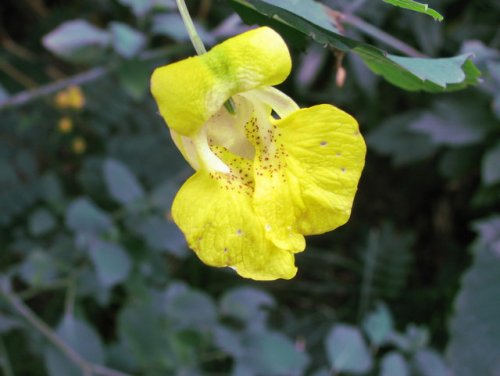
(6, 366)
(91, 75)
(188, 23)
(70, 298)
(198, 43)
(374, 32)
(207, 158)
(87, 367)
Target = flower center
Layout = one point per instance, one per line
(226, 138)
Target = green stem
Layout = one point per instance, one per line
(198, 43)
(6, 366)
(188, 23)
(22, 309)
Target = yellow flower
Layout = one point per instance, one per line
(79, 145)
(72, 97)
(265, 176)
(65, 125)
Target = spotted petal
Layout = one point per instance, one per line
(325, 157)
(217, 217)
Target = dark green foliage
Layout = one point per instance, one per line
(474, 329)
(87, 239)
(308, 17)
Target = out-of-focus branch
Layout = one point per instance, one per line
(28, 95)
(372, 31)
(353, 6)
(87, 367)
(5, 361)
(16, 74)
(81, 78)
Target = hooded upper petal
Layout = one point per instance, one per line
(190, 91)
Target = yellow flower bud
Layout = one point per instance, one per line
(72, 97)
(79, 145)
(65, 125)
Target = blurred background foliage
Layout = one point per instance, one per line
(95, 279)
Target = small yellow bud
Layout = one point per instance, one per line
(72, 97)
(65, 125)
(79, 145)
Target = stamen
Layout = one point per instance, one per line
(281, 103)
(205, 154)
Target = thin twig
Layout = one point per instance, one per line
(81, 78)
(87, 367)
(69, 302)
(16, 74)
(353, 6)
(374, 32)
(5, 361)
(31, 292)
(198, 43)
(191, 29)
(28, 95)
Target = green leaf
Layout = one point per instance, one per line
(172, 26)
(475, 326)
(189, 308)
(453, 122)
(386, 264)
(145, 334)
(309, 10)
(38, 268)
(4, 94)
(426, 74)
(496, 106)
(347, 350)
(111, 261)
(126, 41)
(269, 353)
(121, 182)
(77, 41)
(228, 340)
(246, 304)
(488, 229)
(134, 76)
(395, 138)
(417, 7)
(414, 338)
(490, 167)
(162, 235)
(429, 363)
(41, 222)
(394, 364)
(439, 71)
(457, 162)
(84, 216)
(378, 325)
(51, 189)
(141, 8)
(8, 323)
(307, 18)
(82, 338)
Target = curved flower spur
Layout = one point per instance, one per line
(261, 183)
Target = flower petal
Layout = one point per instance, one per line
(326, 154)
(190, 91)
(272, 195)
(220, 225)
